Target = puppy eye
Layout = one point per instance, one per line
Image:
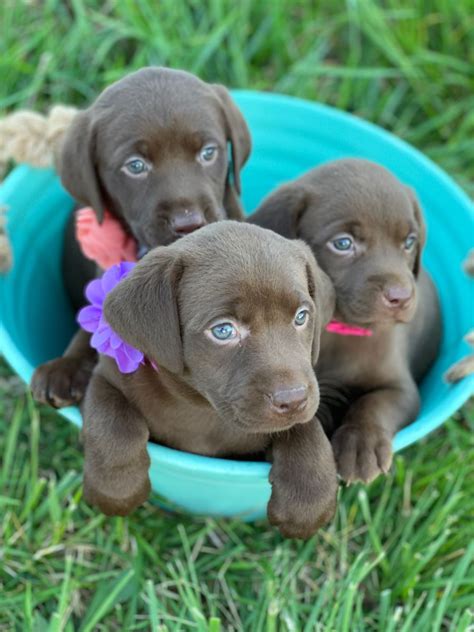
(224, 331)
(301, 317)
(342, 244)
(207, 155)
(409, 242)
(136, 167)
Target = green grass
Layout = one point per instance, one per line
(400, 554)
(397, 557)
(406, 65)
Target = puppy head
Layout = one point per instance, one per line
(366, 230)
(153, 150)
(236, 312)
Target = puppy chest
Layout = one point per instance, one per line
(199, 430)
(355, 362)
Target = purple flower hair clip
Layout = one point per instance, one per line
(91, 318)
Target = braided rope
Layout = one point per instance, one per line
(34, 139)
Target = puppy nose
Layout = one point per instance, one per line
(288, 400)
(397, 296)
(187, 221)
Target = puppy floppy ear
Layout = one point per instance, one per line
(281, 210)
(322, 292)
(239, 136)
(421, 228)
(143, 309)
(77, 164)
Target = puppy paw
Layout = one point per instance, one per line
(460, 370)
(61, 382)
(115, 502)
(362, 452)
(300, 515)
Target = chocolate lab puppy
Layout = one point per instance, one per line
(367, 232)
(153, 150)
(231, 316)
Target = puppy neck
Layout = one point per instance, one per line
(173, 385)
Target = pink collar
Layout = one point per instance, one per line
(344, 329)
(107, 243)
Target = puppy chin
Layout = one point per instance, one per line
(165, 238)
(400, 316)
(216, 214)
(149, 238)
(345, 315)
(406, 316)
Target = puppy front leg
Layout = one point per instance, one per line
(63, 381)
(303, 479)
(116, 460)
(363, 443)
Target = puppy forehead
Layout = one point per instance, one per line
(373, 200)
(246, 298)
(150, 87)
(387, 208)
(147, 105)
(243, 277)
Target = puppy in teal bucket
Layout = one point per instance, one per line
(290, 136)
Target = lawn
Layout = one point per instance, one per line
(400, 554)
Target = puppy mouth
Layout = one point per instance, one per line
(370, 319)
(265, 421)
(147, 240)
(270, 422)
(253, 426)
(179, 235)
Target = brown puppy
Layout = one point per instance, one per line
(367, 232)
(232, 316)
(152, 150)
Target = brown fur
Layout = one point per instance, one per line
(163, 117)
(209, 398)
(368, 385)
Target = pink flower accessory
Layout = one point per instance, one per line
(107, 244)
(344, 329)
(91, 318)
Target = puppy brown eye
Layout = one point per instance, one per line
(207, 155)
(301, 317)
(409, 242)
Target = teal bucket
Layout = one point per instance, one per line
(289, 137)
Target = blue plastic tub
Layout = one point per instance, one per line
(290, 136)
